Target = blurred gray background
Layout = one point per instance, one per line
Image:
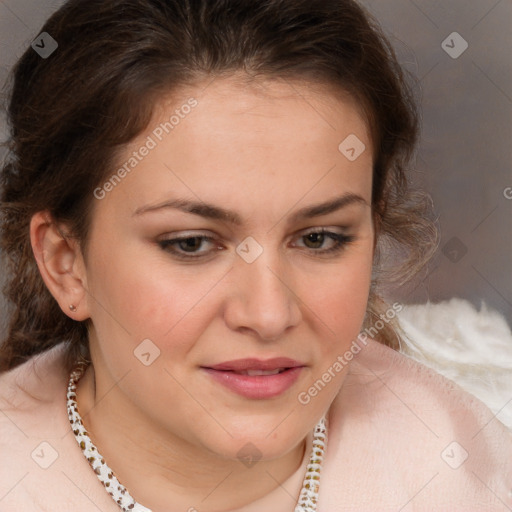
(464, 159)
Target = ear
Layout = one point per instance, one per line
(61, 265)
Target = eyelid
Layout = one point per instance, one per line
(322, 229)
(187, 234)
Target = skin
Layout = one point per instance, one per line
(265, 151)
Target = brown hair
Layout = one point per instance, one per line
(70, 113)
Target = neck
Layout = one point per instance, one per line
(158, 467)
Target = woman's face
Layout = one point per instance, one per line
(247, 177)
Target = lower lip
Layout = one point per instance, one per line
(257, 386)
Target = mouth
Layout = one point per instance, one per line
(256, 383)
(254, 373)
(275, 365)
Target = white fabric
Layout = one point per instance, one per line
(471, 347)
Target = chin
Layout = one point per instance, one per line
(267, 443)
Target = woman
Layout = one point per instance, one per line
(194, 204)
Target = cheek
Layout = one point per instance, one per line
(149, 297)
(338, 297)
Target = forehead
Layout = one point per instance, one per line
(247, 143)
(317, 105)
(236, 120)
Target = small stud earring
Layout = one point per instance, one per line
(72, 308)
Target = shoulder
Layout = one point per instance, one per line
(400, 432)
(28, 394)
(33, 381)
(41, 465)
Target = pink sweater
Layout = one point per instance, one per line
(401, 438)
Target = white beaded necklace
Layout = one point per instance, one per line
(308, 496)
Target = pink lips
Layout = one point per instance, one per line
(257, 386)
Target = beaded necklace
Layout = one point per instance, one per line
(308, 497)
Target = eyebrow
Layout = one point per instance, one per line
(211, 211)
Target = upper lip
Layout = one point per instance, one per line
(257, 364)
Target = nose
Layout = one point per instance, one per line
(262, 298)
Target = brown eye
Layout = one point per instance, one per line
(316, 241)
(186, 247)
(190, 244)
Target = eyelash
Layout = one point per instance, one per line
(341, 241)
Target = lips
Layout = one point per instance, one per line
(253, 364)
(256, 378)
(253, 373)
